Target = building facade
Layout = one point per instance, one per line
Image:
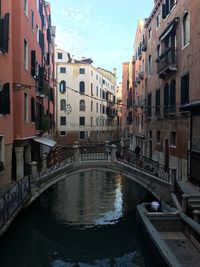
(86, 101)
(138, 129)
(27, 80)
(172, 81)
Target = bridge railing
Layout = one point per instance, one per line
(94, 156)
(12, 200)
(144, 164)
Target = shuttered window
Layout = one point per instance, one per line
(185, 89)
(158, 102)
(5, 99)
(32, 109)
(4, 33)
(166, 98)
(172, 96)
(33, 63)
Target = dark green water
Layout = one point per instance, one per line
(87, 220)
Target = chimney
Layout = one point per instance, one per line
(115, 71)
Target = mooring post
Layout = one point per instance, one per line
(34, 172)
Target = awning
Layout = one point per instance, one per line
(168, 29)
(44, 141)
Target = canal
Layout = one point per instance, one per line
(86, 220)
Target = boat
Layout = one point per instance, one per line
(173, 236)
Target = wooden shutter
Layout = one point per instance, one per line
(5, 99)
(41, 40)
(166, 98)
(172, 95)
(4, 32)
(32, 109)
(185, 89)
(33, 63)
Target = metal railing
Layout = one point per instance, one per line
(145, 164)
(167, 59)
(12, 200)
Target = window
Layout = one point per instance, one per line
(82, 87)
(91, 73)
(63, 133)
(62, 120)
(186, 29)
(38, 4)
(81, 120)
(158, 20)
(62, 104)
(32, 20)
(25, 55)
(91, 89)
(150, 134)
(158, 137)
(97, 77)
(97, 107)
(25, 107)
(158, 102)
(185, 89)
(172, 138)
(37, 33)
(172, 97)
(149, 65)
(1, 154)
(91, 105)
(62, 70)
(81, 71)
(60, 55)
(166, 98)
(150, 33)
(82, 105)
(82, 135)
(97, 91)
(62, 87)
(149, 105)
(26, 7)
(91, 121)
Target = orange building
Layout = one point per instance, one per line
(28, 68)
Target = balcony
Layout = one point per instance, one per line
(167, 63)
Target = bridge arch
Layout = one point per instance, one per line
(152, 184)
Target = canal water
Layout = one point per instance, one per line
(86, 220)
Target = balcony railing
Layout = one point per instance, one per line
(167, 61)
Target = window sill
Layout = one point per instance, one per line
(185, 46)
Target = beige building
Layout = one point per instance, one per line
(86, 101)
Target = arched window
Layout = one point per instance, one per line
(82, 88)
(91, 89)
(82, 105)
(62, 104)
(62, 87)
(186, 29)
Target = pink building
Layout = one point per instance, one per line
(6, 91)
(29, 74)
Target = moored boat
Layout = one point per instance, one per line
(174, 236)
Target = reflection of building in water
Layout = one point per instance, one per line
(95, 197)
(85, 197)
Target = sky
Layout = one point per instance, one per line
(101, 29)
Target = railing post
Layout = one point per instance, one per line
(113, 149)
(107, 147)
(34, 172)
(44, 162)
(76, 153)
(196, 215)
(184, 203)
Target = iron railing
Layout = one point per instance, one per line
(13, 199)
(145, 164)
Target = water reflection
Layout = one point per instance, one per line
(84, 221)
